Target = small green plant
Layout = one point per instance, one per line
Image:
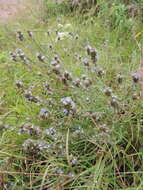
(3, 58)
(52, 9)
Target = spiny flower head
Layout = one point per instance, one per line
(114, 102)
(44, 113)
(69, 105)
(108, 91)
(30, 129)
(77, 82)
(120, 78)
(30, 34)
(40, 57)
(87, 82)
(88, 49)
(20, 35)
(35, 147)
(67, 75)
(135, 77)
(86, 62)
(19, 84)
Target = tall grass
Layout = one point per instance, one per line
(70, 102)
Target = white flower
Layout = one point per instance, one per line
(61, 36)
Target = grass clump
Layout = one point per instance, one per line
(71, 104)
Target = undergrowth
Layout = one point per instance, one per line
(70, 102)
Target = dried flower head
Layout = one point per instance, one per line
(50, 131)
(100, 72)
(64, 80)
(20, 35)
(56, 69)
(30, 129)
(135, 77)
(29, 97)
(87, 82)
(50, 46)
(79, 131)
(19, 84)
(86, 62)
(73, 161)
(30, 34)
(40, 57)
(69, 105)
(108, 91)
(44, 113)
(67, 101)
(58, 170)
(120, 78)
(36, 147)
(93, 54)
(13, 56)
(77, 82)
(67, 75)
(114, 102)
(57, 59)
(88, 49)
(76, 36)
(46, 86)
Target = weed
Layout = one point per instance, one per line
(70, 101)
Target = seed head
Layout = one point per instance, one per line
(69, 105)
(77, 82)
(30, 129)
(46, 86)
(86, 62)
(44, 113)
(56, 69)
(114, 102)
(76, 36)
(50, 46)
(120, 78)
(40, 57)
(13, 56)
(20, 35)
(100, 72)
(87, 82)
(35, 147)
(108, 91)
(88, 49)
(67, 75)
(50, 131)
(135, 77)
(30, 34)
(73, 162)
(19, 84)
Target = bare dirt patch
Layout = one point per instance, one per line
(10, 9)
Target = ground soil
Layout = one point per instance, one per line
(10, 8)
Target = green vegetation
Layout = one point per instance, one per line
(70, 99)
